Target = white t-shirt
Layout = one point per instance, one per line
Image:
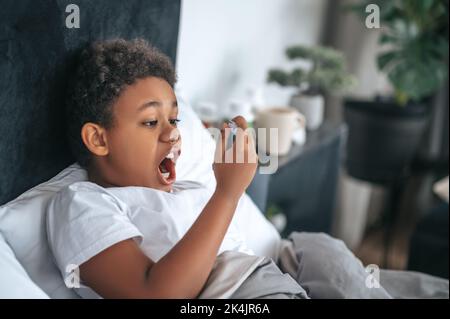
(84, 219)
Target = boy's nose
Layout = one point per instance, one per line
(171, 135)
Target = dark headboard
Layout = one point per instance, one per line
(36, 54)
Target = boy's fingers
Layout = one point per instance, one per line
(220, 147)
(240, 145)
(252, 156)
(240, 121)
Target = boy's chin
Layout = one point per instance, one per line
(162, 187)
(166, 188)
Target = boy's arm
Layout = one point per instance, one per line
(124, 271)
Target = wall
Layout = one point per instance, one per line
(227, 46)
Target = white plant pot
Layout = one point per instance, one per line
(312, 107)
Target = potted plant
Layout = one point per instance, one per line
(384, 134)
(325, 74)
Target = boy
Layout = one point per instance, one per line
(131, 229)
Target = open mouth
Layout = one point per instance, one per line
(166, 168)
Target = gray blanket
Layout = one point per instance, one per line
(315, 265)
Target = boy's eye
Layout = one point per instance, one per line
(153, 123)
(150, 123)
(174, 122)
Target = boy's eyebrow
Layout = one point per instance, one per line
(154, 104)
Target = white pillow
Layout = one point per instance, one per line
(14, 280)
(22, 221)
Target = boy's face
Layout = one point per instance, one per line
(143, 137)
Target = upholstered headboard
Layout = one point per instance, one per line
(36, 54)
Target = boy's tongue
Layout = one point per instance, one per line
(167, 165)
(167, 170)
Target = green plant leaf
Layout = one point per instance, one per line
(326, 74)
(384, 59)
(415, 38)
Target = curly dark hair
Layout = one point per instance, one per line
(104, 69)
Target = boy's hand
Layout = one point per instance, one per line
(235, 168)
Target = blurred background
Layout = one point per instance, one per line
(370, 166)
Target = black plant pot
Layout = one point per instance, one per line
(383, 138)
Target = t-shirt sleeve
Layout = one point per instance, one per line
(84, 221)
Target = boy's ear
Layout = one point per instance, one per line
(94, 137)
